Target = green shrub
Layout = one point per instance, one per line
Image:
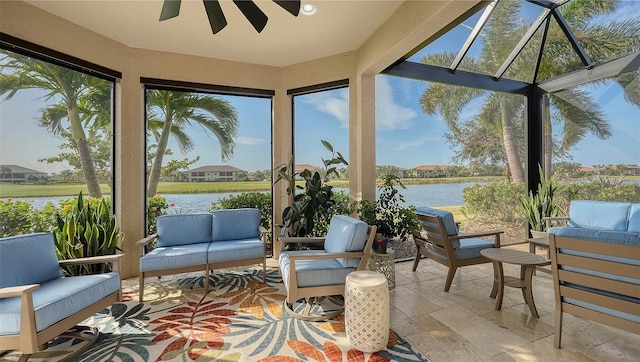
(494, 202)
(156, 206)
(501, 201)
(19, 217)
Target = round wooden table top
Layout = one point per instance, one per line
(511, 256)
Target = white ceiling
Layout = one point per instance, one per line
(337, 27)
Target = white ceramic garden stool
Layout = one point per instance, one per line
(366, 310)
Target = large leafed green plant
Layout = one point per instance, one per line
(315, 204)
(86, 229)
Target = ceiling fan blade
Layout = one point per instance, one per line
(170, 9)
(253, 13)
(292, 6)
(217, 21)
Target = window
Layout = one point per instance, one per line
(56, 134)
(199, 133)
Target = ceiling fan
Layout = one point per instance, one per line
(217, 21)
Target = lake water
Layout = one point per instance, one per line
(447, 194)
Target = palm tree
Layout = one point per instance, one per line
(170, 111)
(502, 114)
(78, 93)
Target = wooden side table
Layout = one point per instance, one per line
(384, 264)
(527, 261)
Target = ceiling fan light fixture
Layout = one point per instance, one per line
(308, 9)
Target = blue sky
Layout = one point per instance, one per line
(405, 136)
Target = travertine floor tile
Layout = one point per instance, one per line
(488, 337)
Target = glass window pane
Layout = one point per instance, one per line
(55, 140)
(207, 152)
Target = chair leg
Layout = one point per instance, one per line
(264, 272)
(206, 280)
(450, 275)
(415, 262)
(141, 289)
(557, 338)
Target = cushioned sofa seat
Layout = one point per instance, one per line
(224, 251)
(172, 257)
(58, 298)
(313, 273)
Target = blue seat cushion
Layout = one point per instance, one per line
(235, 224)
(618, 237)
(172, 257)
(468, 248)
(58, 299)
(184, 229)
(28, 259)
(346, 234)
(603, 215)
(313, 273)
(223, 251)
(634, 219)
(446, 217)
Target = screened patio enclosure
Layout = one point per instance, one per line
(541, 53)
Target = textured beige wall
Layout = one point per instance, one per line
(412, 23)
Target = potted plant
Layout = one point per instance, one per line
(85, 229)
(392, 219)
(540, 206)
(314, 206)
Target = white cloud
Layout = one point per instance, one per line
(248, 141)
(409, 145)
(390, 115)
(333, 103)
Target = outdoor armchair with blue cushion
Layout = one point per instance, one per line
(439, 239)
(309, 274)
(38, 304)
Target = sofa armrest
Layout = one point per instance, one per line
(113, 259)
(263, 233)
(317, 256)
(284, 240)
(143, 242)
(17, 291)
(494, 233)
(549, 219)
(300, 239)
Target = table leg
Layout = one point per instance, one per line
(499, 280)
(527, 291)
(494, 288)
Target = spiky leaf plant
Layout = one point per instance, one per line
(86, 229)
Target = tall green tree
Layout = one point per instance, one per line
(169, 112)
(78, 103)
(503, 115)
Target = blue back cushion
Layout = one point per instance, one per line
(28, 259)
(603, 215)
(634, 219)
(445, 216)
(235, 224)
(184, 229)
(346, 234)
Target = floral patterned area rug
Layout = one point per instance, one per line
(240, 319)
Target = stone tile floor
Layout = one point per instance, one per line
(463, 325)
